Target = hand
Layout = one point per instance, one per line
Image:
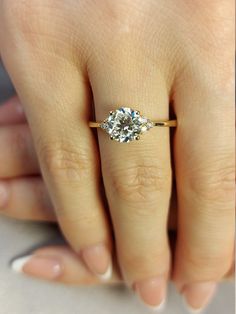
(23, 194)
(140, 53)
(25, 197)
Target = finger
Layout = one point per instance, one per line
(60, 264)
(205, 174)
(18, 156)
(137, 175)
(26, 199)
(58, 111)
(11, 112)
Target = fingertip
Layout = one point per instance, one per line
(18, 264)
(152, 293)
(107, 275)
(197, 296)
(44, 267)
(99, 261)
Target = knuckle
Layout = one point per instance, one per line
(65, 163)
(215, 184)
(21, 10)
(29, 20)
(115, 13)
(140, 182)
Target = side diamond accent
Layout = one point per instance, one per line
(125, 125)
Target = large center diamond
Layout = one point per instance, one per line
(126, 124)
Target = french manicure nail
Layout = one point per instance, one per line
(153, 293)
(98, 260)
(198, 295)
(44, 267)
(4, 194)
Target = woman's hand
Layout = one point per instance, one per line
(142, 54)
(23, 194)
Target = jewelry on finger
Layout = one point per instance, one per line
(126, 124)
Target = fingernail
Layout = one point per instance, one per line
(44, 267)
(153, 293)
(4, 194)
(98, 260)
(198, 295)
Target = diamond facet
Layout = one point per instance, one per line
(126, 124)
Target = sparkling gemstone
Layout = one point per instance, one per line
(126, 124)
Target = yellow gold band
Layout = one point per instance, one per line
(167, 123)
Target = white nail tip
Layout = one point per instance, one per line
(107, 275)
(18, 264)
(159, 308)
(190, 309)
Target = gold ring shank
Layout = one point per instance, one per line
(167, 123)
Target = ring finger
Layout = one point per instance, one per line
(137, 178)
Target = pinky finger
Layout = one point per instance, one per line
(26, 199)
(61, 264)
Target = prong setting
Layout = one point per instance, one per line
(126, 124)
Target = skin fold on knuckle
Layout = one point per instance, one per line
(213, 23)
(26, 19)
(140, 182)
(208, 43)
(214, 183)
(38, 30)
(65, 163)
(128, 28)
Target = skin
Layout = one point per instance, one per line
(28, 199)
(58, 65)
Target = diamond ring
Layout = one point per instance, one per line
(126, 124)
